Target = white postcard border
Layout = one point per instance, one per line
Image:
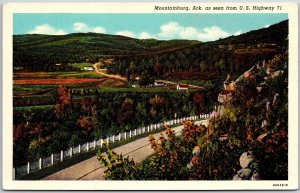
(10, 8)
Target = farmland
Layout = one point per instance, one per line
(37, 75)
(56, 81)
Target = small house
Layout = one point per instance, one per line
(182, 87)
(88, 68)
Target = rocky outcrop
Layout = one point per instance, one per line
(250, 168)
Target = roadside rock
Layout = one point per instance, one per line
(249, 169)
(246, 158)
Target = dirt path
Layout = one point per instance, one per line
(175, 83)
(90, 169)
(103, 73)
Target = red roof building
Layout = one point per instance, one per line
(182, 87)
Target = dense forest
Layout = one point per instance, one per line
(42, 130)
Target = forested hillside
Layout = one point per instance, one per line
(155, 57)
(37, 52)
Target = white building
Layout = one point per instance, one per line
(159, 83)
(88, 68)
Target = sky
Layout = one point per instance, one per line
(202, 27)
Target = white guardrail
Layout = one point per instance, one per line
(18, 172)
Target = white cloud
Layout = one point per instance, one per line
(173, 30)
(170, 30)
(82, 27)
(46, 29)
(266, 26)
(212, 33)
(141, 35)
(189, 33)
(99, 30)
(144, 35)
(126, 33)
(238, 33)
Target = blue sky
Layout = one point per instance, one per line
(203, 27)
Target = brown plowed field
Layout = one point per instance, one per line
(57, 81)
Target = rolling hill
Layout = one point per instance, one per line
(36, 52)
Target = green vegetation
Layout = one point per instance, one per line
(254, 120)
(39, 132)
(61, 74)
(80, 65)
(41, 52)
(234, 54)
(33, 108)
(50, 118)
(37, 175)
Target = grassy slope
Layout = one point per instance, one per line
(95, 43)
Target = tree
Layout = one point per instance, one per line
(203, 66)
(157, 69)
(64, 101)
(199, 100)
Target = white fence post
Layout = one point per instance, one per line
(40, 163)
(14, 174)
(71, 149)
(113, 138)
(130, 133)
(61, 155)
(119, 136)
(135, 132)
(94, 144)
(52, 160)
(107, 140)
(79, 147)
(125, 134)
(28, 168)
(101, 142)
(87, 146)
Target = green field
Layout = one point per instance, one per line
(32, 108)
(72, 74)
(80, 65)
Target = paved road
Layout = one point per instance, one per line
(90, 169)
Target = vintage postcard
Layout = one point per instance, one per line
(150, 96)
